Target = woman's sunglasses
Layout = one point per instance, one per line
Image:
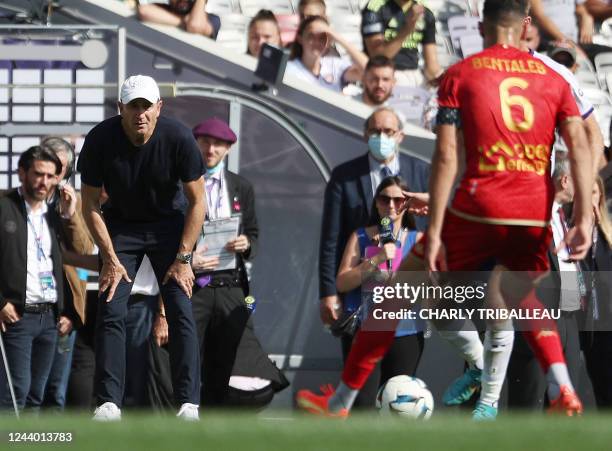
(387, 199)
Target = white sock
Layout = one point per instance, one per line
(465, 340)
(343, 398)
(497, 351)
(557, 376)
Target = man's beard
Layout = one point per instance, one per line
(32, 193)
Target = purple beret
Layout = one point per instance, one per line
(215, 128)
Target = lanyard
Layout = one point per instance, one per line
(40, 252)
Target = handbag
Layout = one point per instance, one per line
(347, 324)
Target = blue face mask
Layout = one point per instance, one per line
(215, 169)
(381, 146)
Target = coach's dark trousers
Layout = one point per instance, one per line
(159, 241)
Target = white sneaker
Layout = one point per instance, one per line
(107, 412)
(189, 412)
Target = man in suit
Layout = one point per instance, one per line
(235, 370)
(32, 305)
(564, 288)
(350, 192)
(348, 202)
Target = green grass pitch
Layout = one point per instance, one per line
(279, 430)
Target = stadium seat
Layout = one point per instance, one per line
(236, 22)
(220, 7)
(409, 102)
(470, 44)
(250, 7)
(461, 26)
(603, 66)
(233, 39)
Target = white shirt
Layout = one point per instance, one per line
(376, 166)
(38, 228)
(145, 281)
(331, 75)
(218, 200)
(570, 293)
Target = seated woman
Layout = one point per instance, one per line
(363, 257)
(263, 29)
(309, 61)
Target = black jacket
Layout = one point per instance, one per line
(242, 200)
(348, 201)
(13, 253)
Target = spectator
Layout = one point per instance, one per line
(378, 81)
(190, 15)
(565, 55)
(599, 9)
(349, 194)
(596, 338)
(151, 168)
(356, 268)
(235, 370)
(32, 307)
(532, 37)
(76, 239)
(557, 22)
(312, 8)
(396, 29)
(309, 62)
(263, 29)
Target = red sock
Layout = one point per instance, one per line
(367, 349)
(542, 335)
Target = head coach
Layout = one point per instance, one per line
(152, 170)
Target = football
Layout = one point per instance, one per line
(406, 396)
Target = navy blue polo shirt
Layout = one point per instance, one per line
(143, 182)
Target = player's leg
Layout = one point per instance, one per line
(498, 342)
(541, 334)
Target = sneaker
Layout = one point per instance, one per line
(107, 412)
(567, 403)
(484, 412)
(462, 388)
(318, 404)
(188, 412)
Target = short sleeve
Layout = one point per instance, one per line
(215, 23)
(190, 163)
(371, 19)
(90, 163)
(429, 33)
(448, 92)
(568, 107)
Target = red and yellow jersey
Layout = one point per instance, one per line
(510, 104)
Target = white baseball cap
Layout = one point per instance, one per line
(139, 86)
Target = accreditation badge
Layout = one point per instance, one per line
(47, 285)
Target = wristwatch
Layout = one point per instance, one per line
(184, 258)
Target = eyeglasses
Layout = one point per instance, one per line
(387, 199)
(387, 131)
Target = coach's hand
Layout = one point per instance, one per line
(8, 315)
(110, 275)
(182, 274)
